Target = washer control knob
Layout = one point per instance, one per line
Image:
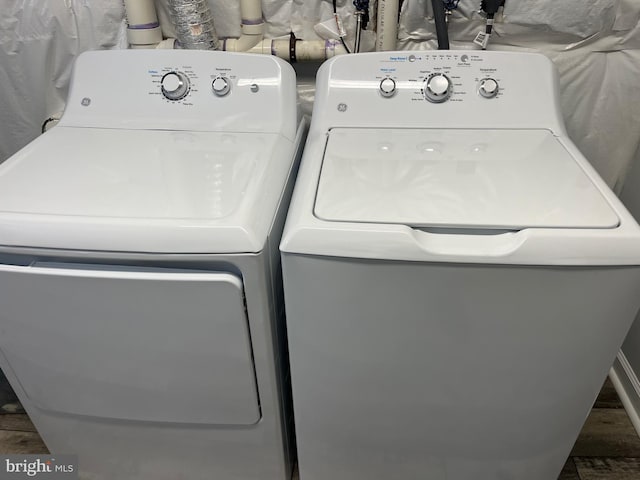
(387, 87)
(488, 88)
(438, 88)
(220, 86)
(175, 85)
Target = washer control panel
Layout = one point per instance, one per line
(437, 88)
(387, 87)
(488, 87)
(182, 90)
(470, 89)
(438, 77)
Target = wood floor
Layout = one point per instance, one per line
(607, 449)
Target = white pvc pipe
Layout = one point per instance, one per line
(252, 26)
(167, 44)
(387, 27)
(140, 12)
(252, 40)
(251, 11)
(305, 50)
(143, 28)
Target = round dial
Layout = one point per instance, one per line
(220, 86)
(387, 87)
(175, 85)
(488, 88)
(438, 88)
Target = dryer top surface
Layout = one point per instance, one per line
(143, 190)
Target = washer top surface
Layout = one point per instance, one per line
(143, 190)
(478, 179)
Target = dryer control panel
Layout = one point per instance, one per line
(455, 89)
(182, 90)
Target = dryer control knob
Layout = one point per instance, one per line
(220, 86)
(387, 87)
(175, 85)
(438, 88)
(488, 88)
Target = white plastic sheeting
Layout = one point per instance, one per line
(39, 41)
(594, 43)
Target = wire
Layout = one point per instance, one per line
(45, 125)
(344, 44)
(335, 13)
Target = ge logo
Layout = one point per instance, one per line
(342, 107)
(86, 101)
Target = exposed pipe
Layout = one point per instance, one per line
(440, 19)
(251, 12)
(291, 49)
(143, 28)
(341, 31)
(362, 19)
(387, 27)
(194, 24)
(167, 44)
(356, 47)
(252, 25)
(294, 50)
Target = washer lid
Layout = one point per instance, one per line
(143, 191)
(480, 179)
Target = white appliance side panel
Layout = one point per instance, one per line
(465, 372)
(131, 344)
(499, 179)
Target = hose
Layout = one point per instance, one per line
(439, 18)
(335, 13)
(193, 22)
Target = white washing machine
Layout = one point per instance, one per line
(458, 279)
(141, 311)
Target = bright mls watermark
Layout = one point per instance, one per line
(51, 467)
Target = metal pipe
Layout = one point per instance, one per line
(356, 47)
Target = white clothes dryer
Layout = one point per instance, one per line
(140, 287)
(458, 278)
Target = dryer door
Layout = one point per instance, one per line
(129, 343)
